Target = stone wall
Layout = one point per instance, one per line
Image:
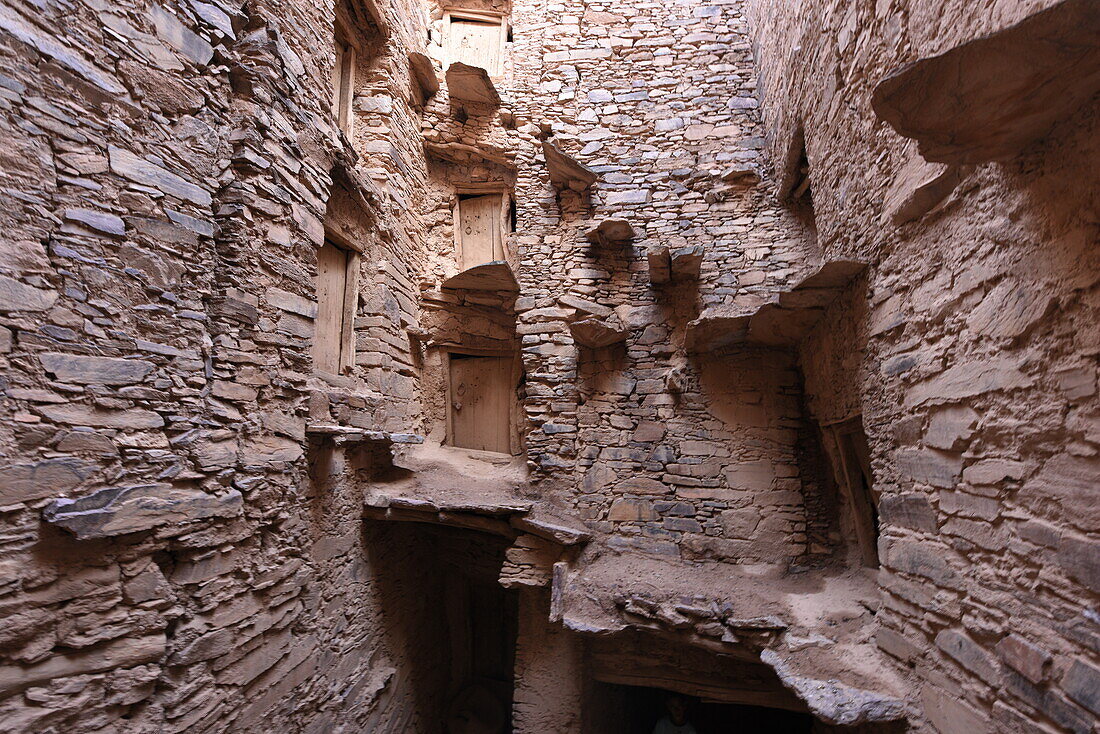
(659, 100)
(169, 170)
(971, 354)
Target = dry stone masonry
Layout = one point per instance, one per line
(508, 366)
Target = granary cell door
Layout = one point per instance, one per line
(475, 42)
(480, 234)
(481, 395)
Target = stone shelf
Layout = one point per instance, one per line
(596, 333)
(779, 621)
(423, 72)
(611, 232)
(682, 263)
(493, 276)
(565, 172)
(121, 510)
(741, 176)
(463, 154)
(471, 84)
(346, 435)
(781, 321)
(991, 98)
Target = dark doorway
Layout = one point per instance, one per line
(449, 627)
(639, 709)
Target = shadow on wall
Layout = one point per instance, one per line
(448, 629)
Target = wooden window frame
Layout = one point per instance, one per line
(446, 350)
(850, 475)
(456, 217)
(345, 360)
(477, 16)
(343, 78)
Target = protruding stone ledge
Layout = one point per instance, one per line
(596, 333)
(493, 276)
(611, 232)
(834, 702)
(350, 435)
(462, 154)
(122, 510)
(991, 98)
(682, 263)
(565, 172)
(780, 321)
(505, 518)
(471, 84)
(744, 175)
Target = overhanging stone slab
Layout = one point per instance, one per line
(596, 333)
(423, 71)
(566, 172)
(471, 84)
(991, 98)
(611, 231)
(493, 276)
(121, 510)
(779, 321)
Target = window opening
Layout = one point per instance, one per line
(480, 229)
(475, 40)
(337, 291)
(854, 473)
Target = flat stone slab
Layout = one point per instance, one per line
(471, 84)
(780, 321)
(990, 98)
(834, 702)
(121, 510)
(352, 434)
(660, 265)
(686, 262)
(596, 333)
(493, 276)
(611, 231)
(565, 171)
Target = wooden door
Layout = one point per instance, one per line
(481, 398)
(332, 288)
(475, 42)
(480, 236)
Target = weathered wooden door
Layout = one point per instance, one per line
(476, 43)
(329, 328)
(481, 397)
(479, 229)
